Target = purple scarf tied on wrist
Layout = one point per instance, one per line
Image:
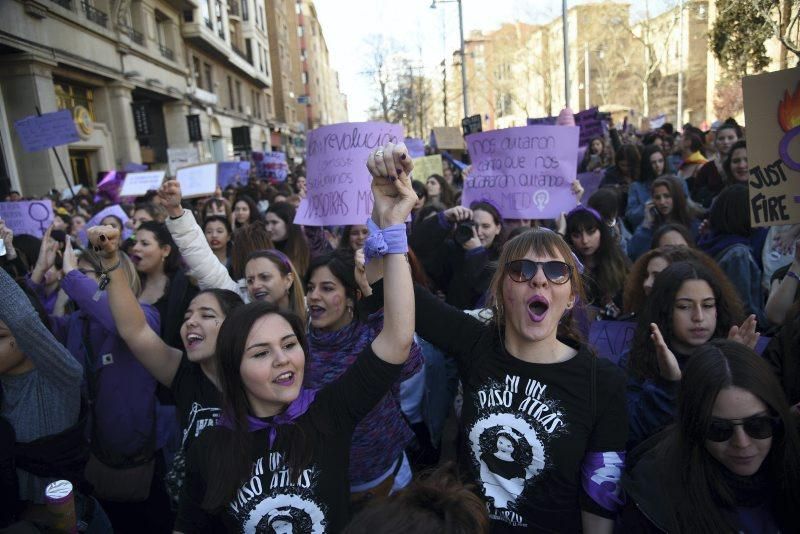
(296, 408)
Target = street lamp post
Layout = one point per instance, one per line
(461, 50)
(565, 31)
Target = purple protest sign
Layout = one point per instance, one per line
(51, 129)
(109, 187)
(232, 172)
(590, 182)
(31, 218)
(416, 147)
(134, 167)
(525, 171)
(337, 180)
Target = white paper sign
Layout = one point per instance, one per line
(198, 180)
(139, 183)
(181, 157)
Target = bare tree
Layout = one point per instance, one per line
(652, 35)
(783, 17)
(379, 71)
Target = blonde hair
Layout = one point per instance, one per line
(539, 241)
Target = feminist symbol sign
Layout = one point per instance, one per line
(31, 218)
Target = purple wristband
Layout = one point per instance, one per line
(390, 240)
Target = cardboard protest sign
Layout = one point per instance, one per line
(612, 338)
(337, 180)
(590, 182)
(139, 183)
(181, 157)
(416, 147)
(48, 130)
(447, 138)
(590, 121)
(197, 180)
(232, 172)
(525, 171)
(275, 166)
(772, 110)
(424, 167)
(30, 218)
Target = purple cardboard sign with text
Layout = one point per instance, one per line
(337, 179)
(31, 218)
(526, 171)
(232, 172)
(48, 130)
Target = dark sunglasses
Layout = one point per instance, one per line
(557, 272)
(757, 427)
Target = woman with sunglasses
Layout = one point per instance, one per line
(525, 373)
(731, 463)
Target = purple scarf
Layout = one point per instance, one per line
(296, 408)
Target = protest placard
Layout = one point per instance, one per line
(590, 182)
(338, 182)
(526, 171)
(447, 138)
(31, 218)
(198, 180)
(232, 173)
(275, 166)
(48, 130)
(590, 122)
(181, 157)
(772, 110)
(416, 147)
(134, 167)
(139, 183)
(424, 167)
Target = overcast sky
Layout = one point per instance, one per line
(347, 23)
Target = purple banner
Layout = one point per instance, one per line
(590, 182)
(109, 187)
(31, 218)
(51, 129)
(525, 171)
(232, 172)
(134, 167)
(338, 182)
(612, 338)
(416, 147)
(587, 120)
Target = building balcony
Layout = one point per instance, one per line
(66, 4)
(135, 36)
(93, 14)
(166, 52)
(241, 54)
(200, 32)
(202, 96)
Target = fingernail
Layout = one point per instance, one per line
(402, 156)
(102, 237)
(96, 248)
(399, 171)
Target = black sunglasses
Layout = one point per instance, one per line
(757, 427)
(557, 272)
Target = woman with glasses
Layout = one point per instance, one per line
(731, 463)
(526, 375)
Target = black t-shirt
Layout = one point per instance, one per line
(542, 415)
(318, 498)
(197, 400)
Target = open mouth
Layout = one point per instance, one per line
(261, 295)
(284, 379)
(192, 340)
(136, 259)
(537, 308)
(315, 311)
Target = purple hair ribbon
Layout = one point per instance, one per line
(600, 477)
(581, 207)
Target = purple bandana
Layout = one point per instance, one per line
(581, 207)
(390, 240)
(296, 408)
(601, 472)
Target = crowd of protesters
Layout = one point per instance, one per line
(210, 366)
